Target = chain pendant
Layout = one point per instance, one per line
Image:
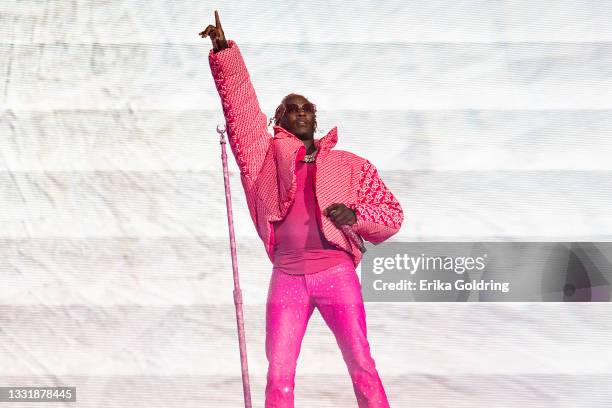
(309, 158)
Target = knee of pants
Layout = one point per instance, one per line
(280, 383)
(282, 374)
(363, 373)
(358, 358)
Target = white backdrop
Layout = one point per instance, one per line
(489, 120)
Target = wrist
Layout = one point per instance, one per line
(221, 47)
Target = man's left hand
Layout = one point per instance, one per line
(340, 214)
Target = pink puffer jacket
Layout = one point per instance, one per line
(267, 166)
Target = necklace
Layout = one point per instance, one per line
(309, 158)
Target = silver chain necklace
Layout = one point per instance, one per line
(309, 158)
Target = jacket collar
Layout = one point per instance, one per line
(323, 144)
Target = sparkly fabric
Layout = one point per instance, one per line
(336, 293)
(300, 245)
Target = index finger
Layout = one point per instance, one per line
(218, 21)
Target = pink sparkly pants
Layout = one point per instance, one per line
(336, 292)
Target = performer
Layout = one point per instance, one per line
(288, 178)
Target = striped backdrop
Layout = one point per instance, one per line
(489, 120)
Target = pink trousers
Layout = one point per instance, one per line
(336, 292)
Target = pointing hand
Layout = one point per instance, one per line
(216, 34)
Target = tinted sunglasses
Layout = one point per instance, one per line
(307, 107)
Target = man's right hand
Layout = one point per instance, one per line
(216, 34)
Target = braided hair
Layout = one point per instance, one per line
(280, 110)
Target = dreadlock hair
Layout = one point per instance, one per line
(280, 110)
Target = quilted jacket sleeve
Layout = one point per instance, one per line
(379, 214)
(247, 130)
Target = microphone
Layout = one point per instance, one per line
(354, 237)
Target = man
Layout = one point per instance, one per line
(288, 179)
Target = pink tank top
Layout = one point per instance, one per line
(299, 244)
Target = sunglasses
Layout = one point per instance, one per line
(307, 107)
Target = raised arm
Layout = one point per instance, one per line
(246, 124)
